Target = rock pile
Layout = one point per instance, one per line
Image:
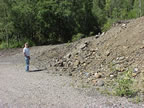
(77, 59)
(104, 56)
(85, 61)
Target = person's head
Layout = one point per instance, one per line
(26, 45)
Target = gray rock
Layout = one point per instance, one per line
(60, 63)
(107, 53)
(123, 25)
(103, 34)
(135, 70)
(82, 46)
(76, 63)
(111, 76)
(86, 42)
(97, 36)
(120, 58)
(87, 74)
(97, 75)
(68, 56)
(118, 67)
(100, 83)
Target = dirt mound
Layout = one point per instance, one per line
(100, 58)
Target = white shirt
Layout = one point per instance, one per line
(26, 51)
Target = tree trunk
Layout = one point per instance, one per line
(140, 12)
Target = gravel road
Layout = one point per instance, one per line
(41, 89)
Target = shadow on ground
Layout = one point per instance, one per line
(37, 70)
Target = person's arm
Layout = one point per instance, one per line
(25, 54)
(29, 53)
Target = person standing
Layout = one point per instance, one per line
(26, 53)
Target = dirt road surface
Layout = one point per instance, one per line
(40, 89)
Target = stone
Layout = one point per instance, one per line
(82, 46)
(119, 68)
(97, 75)
(107, 53)
(81, 59)
(93, 50)
(61, 64)
(86, 42)
(134, 74)
(123, 25)
(87, 74)
(125, 47)
(96, 49)
(69, 63)
(135, 70)
(103, 34)
(93, 53)
(112, 76)
(68, 55)
(94, 82)
(121, 58)
(100, 83)
(76, 63)
(97, 36)
(141, 47)
(84, 64)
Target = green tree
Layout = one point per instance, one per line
(6, 25)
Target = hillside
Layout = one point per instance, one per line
(100, 60)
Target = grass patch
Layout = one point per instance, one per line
(124, 84)
(106, 91)
(136, 100)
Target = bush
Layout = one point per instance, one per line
(16, 44)
(3, 45)
(77, 37)
(124, 84)
(108, 25)
(30, 42)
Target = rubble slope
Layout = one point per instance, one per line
(98, 59)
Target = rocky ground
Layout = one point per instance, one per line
(45, 88)
(99, 60)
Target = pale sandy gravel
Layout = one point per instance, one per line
(19, 89)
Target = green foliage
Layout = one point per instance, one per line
(137, 100)
(54, 16)
(3, 45)
(15, 44)
(124, 84)
(132, 14)
(77, 37)
(107, 25)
